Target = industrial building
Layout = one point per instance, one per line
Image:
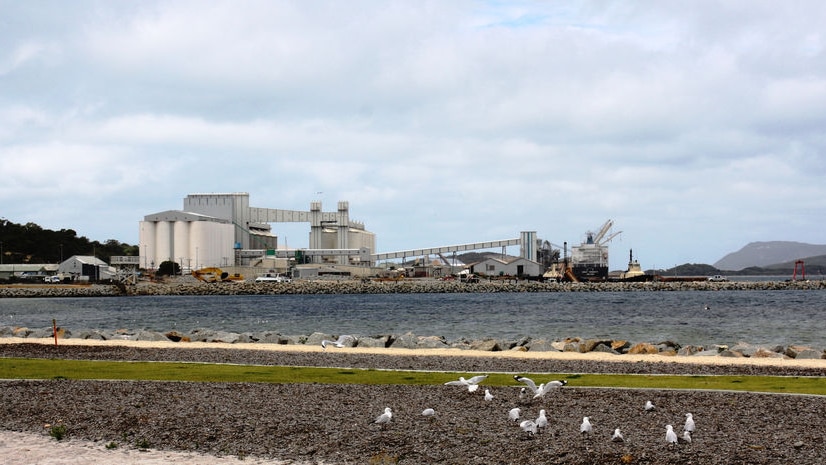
(223, 230)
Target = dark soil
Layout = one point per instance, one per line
(315, 423)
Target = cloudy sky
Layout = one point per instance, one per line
(697, 127)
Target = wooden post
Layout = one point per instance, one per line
(54, 331)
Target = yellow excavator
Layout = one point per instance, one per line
(216, 275)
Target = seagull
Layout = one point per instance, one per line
(528, 426)
(472, 383)
(586, 427)
(617, 436)
(686, 437)
(543, 388)
(670, 435)
(385, 417)
(513, 414)
(689, 423)
(541, 421)
(343, 339)
(649, 406)
(488, 395)
(428, 412)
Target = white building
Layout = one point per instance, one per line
(86, 268)
(214, 230)
(512, 266)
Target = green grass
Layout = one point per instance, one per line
(28, 368)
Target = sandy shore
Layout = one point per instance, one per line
(511, 354)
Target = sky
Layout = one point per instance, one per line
(696, 127)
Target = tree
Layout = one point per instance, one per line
(168, 268)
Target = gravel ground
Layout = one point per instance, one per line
(334, 424)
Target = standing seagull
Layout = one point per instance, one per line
(340, 342)
(617, 436)
(686, 438)
(541, 421)
(585, 427)
(689, 423)
(472, 383)
(670, 435)
(649, 406)
(488, 395)
(385, 417)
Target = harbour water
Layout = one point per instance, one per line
(764, 318)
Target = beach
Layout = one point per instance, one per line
(333, 424)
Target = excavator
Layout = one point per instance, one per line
(216, 275)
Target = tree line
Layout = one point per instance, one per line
(30, 243)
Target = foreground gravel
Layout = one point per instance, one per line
(314, 423)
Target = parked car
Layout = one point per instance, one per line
(270, 278)
(717, 278)
(51, 279)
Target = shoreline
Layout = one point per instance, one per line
(440, 352)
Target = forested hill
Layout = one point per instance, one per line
(29, 243)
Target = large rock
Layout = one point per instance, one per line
(643, 348)
(154, 336)
(809, 354)
(487, 345)
(375, 341)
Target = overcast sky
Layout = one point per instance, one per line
(697, 127)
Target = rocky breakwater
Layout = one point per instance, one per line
(409, 286)
(413, 341)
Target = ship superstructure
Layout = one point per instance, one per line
(589, 260)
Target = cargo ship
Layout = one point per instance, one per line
(589, 260)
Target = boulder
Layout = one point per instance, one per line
(541, 345)
(605, 349)
(406, 341)
(487, 345)
(643, 348)
(154, 336)
(431, 342)
(809, 354)
(730, 353)
(620, 345)
(765, 353)
(377, 341)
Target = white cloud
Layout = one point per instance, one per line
(697, 128)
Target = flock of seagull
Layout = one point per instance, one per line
(533, 426)
(529, 426)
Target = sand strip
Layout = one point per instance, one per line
(516, 354)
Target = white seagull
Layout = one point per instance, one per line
(586, 427)
(670, 435)
(543, 388)
(340, 342)
(472, 383)
(528, 426)
(385, 417)
(689, 423)
(428, 412)
(649, 406)
(513, 414)
(488, 395)
(686, 438)
(617, 436)
(541, 421)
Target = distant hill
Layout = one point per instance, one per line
(764, 254)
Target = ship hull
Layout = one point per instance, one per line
(590, 272)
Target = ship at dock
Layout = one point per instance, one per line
(589, 260)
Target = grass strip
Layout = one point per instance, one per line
(30, 368)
